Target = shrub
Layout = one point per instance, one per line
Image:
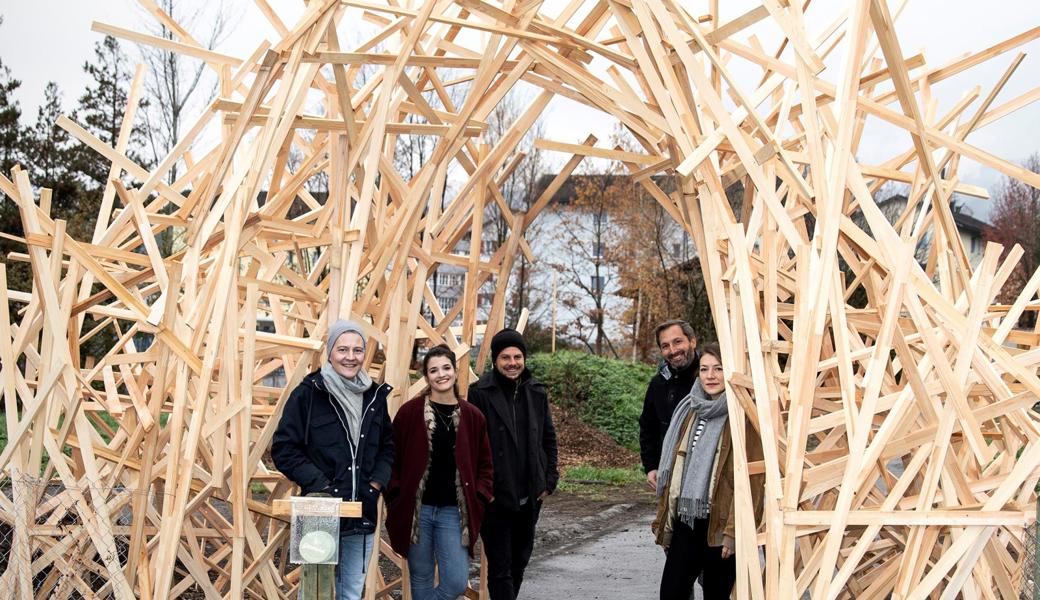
(605, 393)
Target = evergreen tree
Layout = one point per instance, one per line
(50, 158)
(100, 110)
(176, 84)
(50, 149)
(11, 151)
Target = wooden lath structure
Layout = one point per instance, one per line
(901, 450)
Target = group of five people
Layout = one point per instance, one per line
(453, 468)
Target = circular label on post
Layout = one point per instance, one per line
(317, 547)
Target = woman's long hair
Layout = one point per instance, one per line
(446, 352)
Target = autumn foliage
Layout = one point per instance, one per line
(1015, 219)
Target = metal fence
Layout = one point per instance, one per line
(48, 541)
(1029, 585)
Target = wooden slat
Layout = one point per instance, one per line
(282, 509)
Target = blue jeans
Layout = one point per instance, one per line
(439, 538)
(354, 552)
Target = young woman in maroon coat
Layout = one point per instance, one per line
(440, 483)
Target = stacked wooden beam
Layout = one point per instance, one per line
(901, 449)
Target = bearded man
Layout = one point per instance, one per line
(677, 342)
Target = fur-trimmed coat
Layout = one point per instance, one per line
(413, 445)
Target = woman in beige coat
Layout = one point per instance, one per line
(695, 520)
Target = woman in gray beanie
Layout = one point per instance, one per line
(335, 439)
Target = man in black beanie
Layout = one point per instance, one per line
(523, 444)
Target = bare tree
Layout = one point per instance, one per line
(176, 85)
(588, 282)
(520, 191)
(1015, 219)
(412, 151)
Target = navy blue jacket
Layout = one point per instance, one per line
(312, 448)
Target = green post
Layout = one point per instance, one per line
(1035, 575)
(318, 582)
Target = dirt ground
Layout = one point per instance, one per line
(588, 509)
(583, 444)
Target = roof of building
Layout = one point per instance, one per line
(569, 190)
(965, 222)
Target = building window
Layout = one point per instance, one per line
(450, 280)
(446, 303)
(597, 249)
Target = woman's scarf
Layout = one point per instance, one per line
(348, 393)
(709, 420)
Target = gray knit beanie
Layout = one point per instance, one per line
(339, 328)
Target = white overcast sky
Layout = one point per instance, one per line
(48, 40)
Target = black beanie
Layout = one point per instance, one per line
(505, 339)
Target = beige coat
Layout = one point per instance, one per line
(721, 521)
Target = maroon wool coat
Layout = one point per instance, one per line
(412, 461)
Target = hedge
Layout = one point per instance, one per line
(605, 393)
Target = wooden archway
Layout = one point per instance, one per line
(901, 451)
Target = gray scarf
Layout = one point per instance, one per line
(348, 393)
(709, 419)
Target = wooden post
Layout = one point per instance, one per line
(318, 582)
(635, 328)
(554, 312)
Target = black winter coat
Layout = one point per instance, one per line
(487, 396)
(312, 448)
(662, 396)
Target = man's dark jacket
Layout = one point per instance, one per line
(487, 396)
(666, 390)
(312, 448)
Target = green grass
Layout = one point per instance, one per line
(592, 482)
(606, 475)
